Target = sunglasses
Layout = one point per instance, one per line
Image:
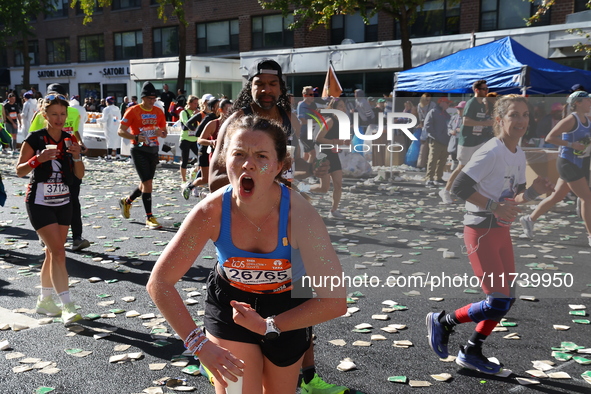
(482, 89)
(52, 97)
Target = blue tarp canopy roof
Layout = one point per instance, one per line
(506, 65)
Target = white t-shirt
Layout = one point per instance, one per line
(497, 171)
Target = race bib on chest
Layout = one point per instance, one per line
(258, 275)
(55, 193)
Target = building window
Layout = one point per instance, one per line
(124, 4)
(353, 28)
(91, 48)
(271, 31)
(58, 51)
(60, 9)
(509, 14)
(437, 18)
(217, 36)
(581, 5)
(33, 54)
(166, 41)
(129, 45)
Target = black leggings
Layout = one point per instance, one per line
(186, 148)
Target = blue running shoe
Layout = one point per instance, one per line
(477, 362)
(437, 334)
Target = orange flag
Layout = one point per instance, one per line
(332, 87)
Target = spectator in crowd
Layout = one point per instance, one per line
(123, 106)
(75, 103)
(549, 121)
(110, 120)
(167, 97)
(29, 109)
(436, 124)
(181, 99)
(12, 119)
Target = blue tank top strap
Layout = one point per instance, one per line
(284, 205)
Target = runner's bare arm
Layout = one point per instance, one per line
(174, 262)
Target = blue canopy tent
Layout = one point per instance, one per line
(506, 65)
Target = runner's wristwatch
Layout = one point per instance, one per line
(272, 330)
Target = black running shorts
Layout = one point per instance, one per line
(570, 172)
(145, 162)
(41, 215)
(284, 351)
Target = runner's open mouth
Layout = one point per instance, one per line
(247, 184)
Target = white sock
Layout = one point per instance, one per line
(65, 297)
(46, 292)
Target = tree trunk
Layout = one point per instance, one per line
(405, 42)
(26, 63)
(180, 82)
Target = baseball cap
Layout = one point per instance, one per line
(444, 100)
(57, 88)
(206, 97)
(265, 66)
(381, 100)
(110, 99)
(461, 104)
(29, 94)
(579, 94)
(576, 86)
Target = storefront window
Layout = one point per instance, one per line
(89, 90)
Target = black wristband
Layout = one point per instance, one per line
(311, 169)
(136, 138)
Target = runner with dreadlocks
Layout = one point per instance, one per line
(265, 95)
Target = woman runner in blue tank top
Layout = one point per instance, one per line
(573, 136)
(269, 241)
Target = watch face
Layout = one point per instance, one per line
(271, 335)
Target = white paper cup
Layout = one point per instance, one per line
(234, 387)
(448, 255)
(50, 146)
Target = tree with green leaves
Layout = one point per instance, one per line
(17, 29)
(175, 10)
(313, 13)
(545, 6)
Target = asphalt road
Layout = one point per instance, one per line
(395, 233)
